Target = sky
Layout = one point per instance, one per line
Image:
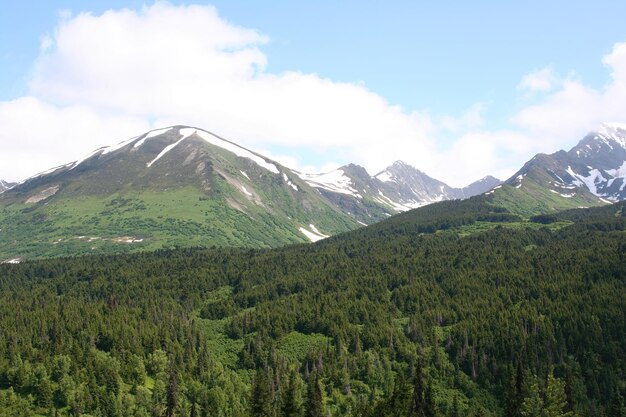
(458, 91)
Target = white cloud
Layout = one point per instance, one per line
(36, 136)
(186, 65)
(101, 79)
(574, 109)
(541, 81)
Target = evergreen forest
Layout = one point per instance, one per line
(456, 309)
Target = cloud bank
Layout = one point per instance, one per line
(102, 79)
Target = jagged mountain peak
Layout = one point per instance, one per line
(356, 171)
(401, 164)
(399, 171)
(480, 186)
(488, 178)
(592, 171)
(601, 141)
(613, 131)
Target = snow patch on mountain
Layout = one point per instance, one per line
(313, 235)
(5, 186)
(289, 183)
(246, 192)
(84, 158)
(336, 181)
(400, 207)
(619, 172)
(385, 176)
(592, 181)
(151, 134)
(615, 132)
(185, 132)
(237, 150)
(120, 145)
(208, 137)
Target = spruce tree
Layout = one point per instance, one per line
(313, 406)
(616, 408)
(532, 406)
(418, 408)
(430, 409)
(171, 395)
(516, 393)
(261, 401)
(555, 400)
(291, 406)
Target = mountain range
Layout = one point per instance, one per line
(184, 186)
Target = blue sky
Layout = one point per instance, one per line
(459, 91)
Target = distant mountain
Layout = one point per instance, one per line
(591, 173)
(184, 186)
(4, 185)
(481, 186)
(400, 187)
(178, 186)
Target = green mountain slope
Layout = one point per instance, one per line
(359, 324)
(173, 187)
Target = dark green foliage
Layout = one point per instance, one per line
(616, 408)
(261, 401)
(291, 406)
(418, 404)
(516, 393)
(172, 392)
(313, 406)
(234, 332)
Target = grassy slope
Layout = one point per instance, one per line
(186, 217)
(179, 217)
(532, 199)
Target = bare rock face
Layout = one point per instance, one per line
(42, 195)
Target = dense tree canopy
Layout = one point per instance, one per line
(404, 320)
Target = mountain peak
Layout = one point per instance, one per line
(591, 172)
(615, 132)
(400, 163)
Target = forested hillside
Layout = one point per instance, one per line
(417, 316)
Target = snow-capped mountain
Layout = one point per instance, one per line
(415, 187)
(400, 187)
(185, 186)
(178, 186)
(4, 185)
(593, 169)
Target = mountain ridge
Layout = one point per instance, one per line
(185, 186)
(592, 172)
(5, 185)
(176, 186)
